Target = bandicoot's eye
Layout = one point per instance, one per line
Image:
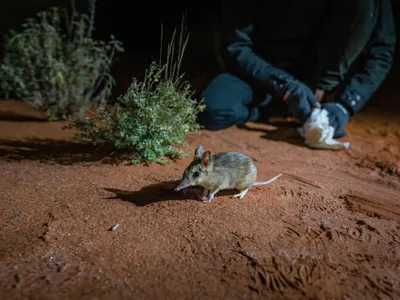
(196, 174)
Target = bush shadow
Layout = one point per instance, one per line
(4, 116)
(55, 152)
(12, 110)
(160, 192)
(18, 117)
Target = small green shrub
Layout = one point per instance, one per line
(59, 70)
(151, 119)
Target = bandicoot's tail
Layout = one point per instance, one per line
(268, 181)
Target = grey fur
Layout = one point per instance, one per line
(226, 170)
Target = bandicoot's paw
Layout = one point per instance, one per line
(206, 199)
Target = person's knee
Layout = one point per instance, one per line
(224, 98)
(217, 118)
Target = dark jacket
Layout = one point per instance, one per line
(343, 44)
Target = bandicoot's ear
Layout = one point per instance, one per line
(198, 152)
(206, 158)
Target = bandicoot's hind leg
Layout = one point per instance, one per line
(241, 194)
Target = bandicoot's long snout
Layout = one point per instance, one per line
(179, 187)
(183, 185)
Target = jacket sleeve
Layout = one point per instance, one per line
(237, 47)
(374, 63)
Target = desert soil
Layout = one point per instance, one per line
(288, 239)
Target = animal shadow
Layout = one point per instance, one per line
(153, 193)
(160, 192)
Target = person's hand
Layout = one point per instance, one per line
(338, 117)
(299, 97)
(319, 93)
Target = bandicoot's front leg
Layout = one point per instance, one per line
(211, 195)
(205, 194)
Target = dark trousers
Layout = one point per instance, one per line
(231, 101)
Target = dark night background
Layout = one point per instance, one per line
(330, 230)
(139, 30)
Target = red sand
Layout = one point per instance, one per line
(283, 240)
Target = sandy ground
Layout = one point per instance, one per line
(288, 239)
